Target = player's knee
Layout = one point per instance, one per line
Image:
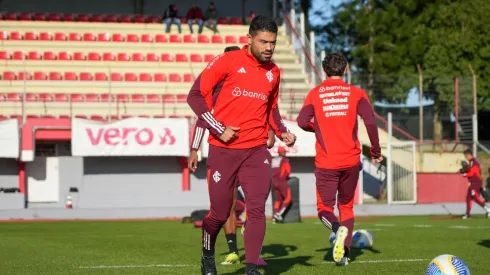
(219, 216)
(257, 212)
(346, 211)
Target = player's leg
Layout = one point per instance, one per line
(480, 202)
(286, 200)
(347, 189)
(254, 176)
(230, 234)
(277, 200)
(469, 203)
(222, 169)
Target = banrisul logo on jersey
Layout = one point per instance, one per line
(242, 92)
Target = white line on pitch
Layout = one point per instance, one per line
(422, 225)
(134, 266)
(384, 224)
(384, 261)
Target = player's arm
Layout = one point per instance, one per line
(199, 130)
(306, 114)
(474, 170)
(275, 120)
(365, 110)
(201, 94)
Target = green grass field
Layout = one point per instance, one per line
(402, 245)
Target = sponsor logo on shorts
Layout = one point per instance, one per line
(216, 176)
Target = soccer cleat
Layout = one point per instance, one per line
(278, 217)
(261, 262)
(208, 266)
(253, 272)
(464, 217)
(338, 247)
(231, 258)
(488, 215)
(343, 262)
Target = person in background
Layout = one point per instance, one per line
(211, 18)
(251, 17)
(170, 17)
(195, 16)
(281, 169)
(473, 173)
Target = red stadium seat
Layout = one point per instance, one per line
(64, 56)
(28, 76)
(154, 19)
(100, 77)
(92, 98)
(145, 77)
(89, 37)
(111, 18)
(106, 97)
(122, 57)
(208, 58)
(109, 57)
(126, 18)
(97, 18)
(16, 36)
(132, 38)
(217, 39)
(81, 116)
(32, 116)
(55, 17)
(150, 57)
(161, 38)
(130, 77)
(18, 55)
(62, 98)
(61, 116)
(168, 99)
(70, 76)
(203, 39)
(4, 35)
(188, 78)
(79, 56)
(139, 19)
(116, 77)
(153, 98)
(160, 77)
(103, 37)
(94, 56)
(68, 17)
(74, 36)
(126, 116)
(40, 76)
(243, 39)
(97, 118)
(117, 37)
(34, 56)
(4, 55)
(189, 38)
(137, 57)
(137, 98)
(14, 97)
(181, 98)
(59, 36)
(74, 98)
(236, 21)
(49, 56)
(144, 116)
(46, 36)
(147, 38)
(30, 36)
(175, 38)
(55, 76)
(86, 76)
(230, 39)
(39, 17)
(174, 78)
(112, 117)
(83, 18)
(223, 20)
(180, 57)
(122, 98)
(49, 116)
(25, 16)
(196, 58)
(45, 98)
(11, 16)
(166, 57)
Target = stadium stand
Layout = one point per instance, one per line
(107, 66)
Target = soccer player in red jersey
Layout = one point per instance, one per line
(243, 109)
(281, 169)
(474, 184)
(333, 106)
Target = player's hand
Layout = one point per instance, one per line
(288, 138)
(192, 161)
(378, 160)
(272, 139)
(230, 133)
(463, 175)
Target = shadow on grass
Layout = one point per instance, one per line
(354, 253)
(485, 243)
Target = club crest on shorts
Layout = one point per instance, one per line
(270, 76)
(216, 176)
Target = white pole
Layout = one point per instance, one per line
(323, 55)
(389, 162)
(474, 123)
(302, 36)
(24, 101)
(414, 164)
(314, 79)
(293, 24)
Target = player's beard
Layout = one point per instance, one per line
(260, 55)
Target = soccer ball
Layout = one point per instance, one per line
(331, 239)
(447, 265)
(362, 239)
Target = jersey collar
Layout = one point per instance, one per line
(252, 58)
(333, 81)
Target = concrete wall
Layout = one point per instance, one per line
(9, 173)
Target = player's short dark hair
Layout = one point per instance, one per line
(262, 23)
(231, 48)
(468, 152)
(334, 64)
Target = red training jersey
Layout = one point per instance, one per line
(281, 169)
(334, 106)
(474, 174)
(247, 99)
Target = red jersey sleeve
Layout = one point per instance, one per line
(199, 130)
(275, 120)
(306, 114)
(201, 94)
(365, 110)
(474, 171)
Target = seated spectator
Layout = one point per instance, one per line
(194, 15)
(171, 17)
(211, 17)
(251, 17)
